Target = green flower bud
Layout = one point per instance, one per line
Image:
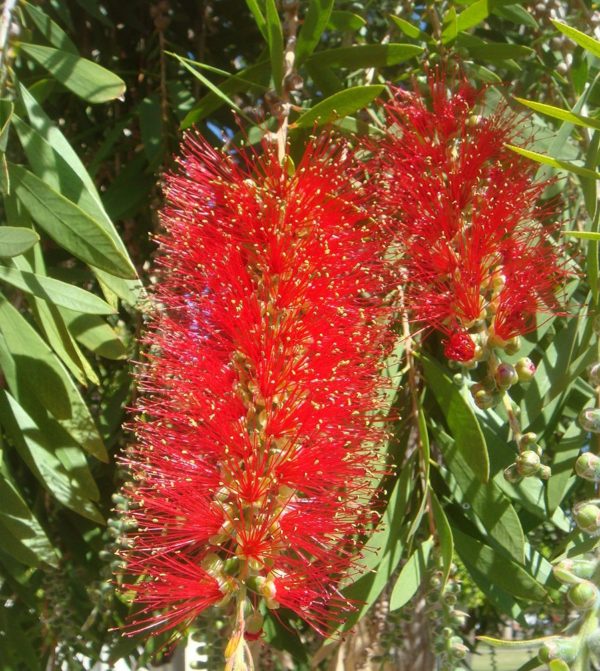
(525, 369)
(513, 345)
(584, 568)
(587, 517)
(449, 599)
(231, 566)
(495, 340)
(528, 463)
(593, 374)
(511, 474)
(561, 648)
(527, 439)
(458, 649)
(584, 595)
(587, 467)
(545, 472)
(212, 564)
(484, 399)
(573, 571)
(558, 665)
(589, 419)
(458, 379)
(506, 375)
(435, 582)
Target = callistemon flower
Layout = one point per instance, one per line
(254, 461)
(474, 242)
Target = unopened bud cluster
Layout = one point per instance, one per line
(447, 620)
(581, 576)
(528, 463)
(488, 393)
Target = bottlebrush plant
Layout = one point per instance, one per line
(476, 244)
(475, 240)
(255, 465)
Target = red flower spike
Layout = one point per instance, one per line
(252, 467)
(465, 213)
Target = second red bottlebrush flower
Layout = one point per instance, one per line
(474, 243)
(253, 467)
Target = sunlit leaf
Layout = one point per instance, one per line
(339, 105)
(15, 240)
(84, 78)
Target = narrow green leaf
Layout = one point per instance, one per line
(499, 570)
(275, 41)
(84, 78)
(339, 105)
(473, 15)
(562, 114)
(49, 29)
(39, 374)
(7, 109)
(259, 17)
(68, 224)
(54, 161)
(411, 576)
(444, 533)
(55, 291)
(588, 43)
(315, 21)
(566, 452)
(450, 30)
(209, 85)
(498, 51)
(46, 313)
(95, 334)
(254, 79)
(15, 240)
(583, 235)
(408, 29)
(460, 417)
(554, 162)
(518, 15)
(488, 503)
(59, 166)
(32, 445)
(365, 55)
(590, 198)
(521, 644)
(561, 364)
(21, 525)
(52, 135)
(342, 20)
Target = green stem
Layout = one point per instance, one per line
(515, 426)
(590, 624)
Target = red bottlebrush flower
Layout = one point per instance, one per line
(466, 215)
(252, 467)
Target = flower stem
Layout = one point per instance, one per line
(515, 426)
(236, 651)
(290, 30)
